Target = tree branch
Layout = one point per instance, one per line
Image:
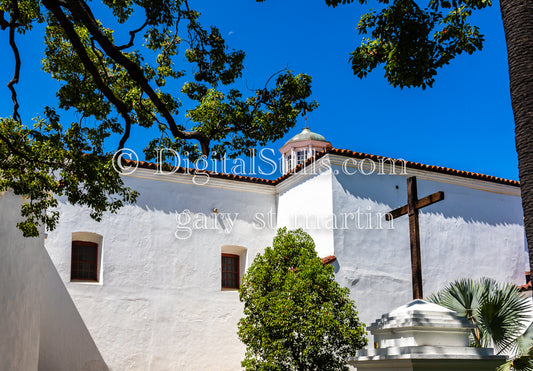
(98, 53)
(125, 136)
(121, 107)
(19, 153)
(12, 26)
(82, 12)
(3, 23)
(132, 36)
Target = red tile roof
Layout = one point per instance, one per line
(340, 152)
(436, 169)
(328, 259)
(192, 171)
(528, 286)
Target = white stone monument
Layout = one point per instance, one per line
(424, 336)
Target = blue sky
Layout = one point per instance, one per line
(464, 122)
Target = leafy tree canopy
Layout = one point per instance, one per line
(413, 39)
(115, 81)
(296, 317)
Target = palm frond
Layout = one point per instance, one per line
(499, 312)
(502, 316)
(521, 363)
(524, 343)
(462, 296)
(507, 366)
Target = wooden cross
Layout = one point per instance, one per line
(412, 207)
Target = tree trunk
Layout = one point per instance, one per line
(517, 16)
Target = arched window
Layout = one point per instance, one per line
(86, 257)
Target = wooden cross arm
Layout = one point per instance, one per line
(426, 201)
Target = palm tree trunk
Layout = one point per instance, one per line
(517, 16)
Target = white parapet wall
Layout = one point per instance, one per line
(40, 327)
(19, 290)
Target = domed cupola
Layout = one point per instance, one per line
(301, 147)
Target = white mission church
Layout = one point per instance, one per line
(154, 287)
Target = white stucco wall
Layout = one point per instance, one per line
(66, 344)
(305, 201)
(159, 304)
(40, 327)
(19, 290)
(476, 231)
